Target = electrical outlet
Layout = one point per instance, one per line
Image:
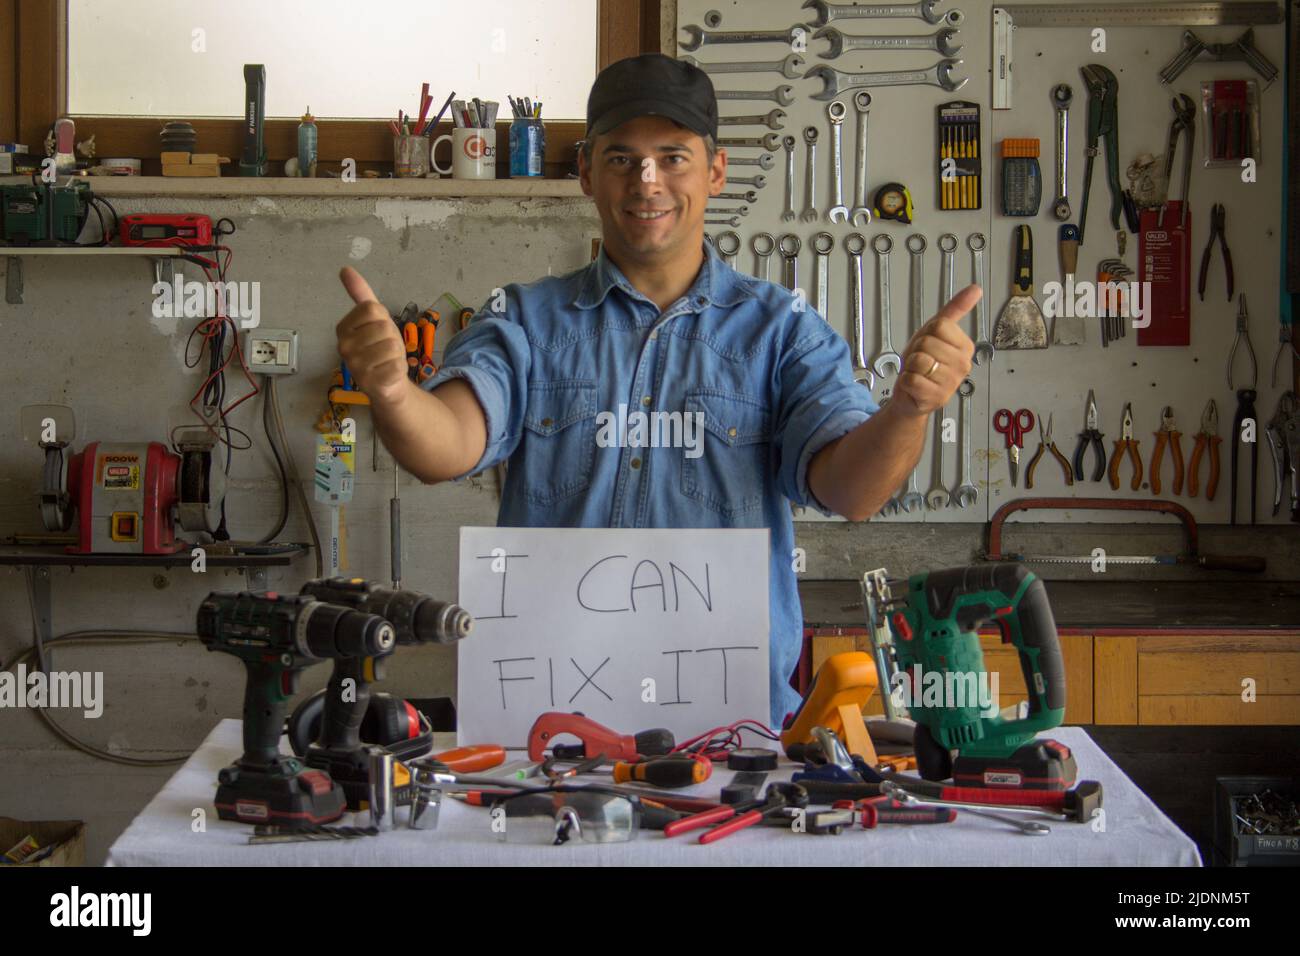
(272, 351)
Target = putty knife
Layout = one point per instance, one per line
(1021, 325)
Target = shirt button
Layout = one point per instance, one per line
(636, 462)
(645, 399)
(654, 335)
(547, 422)
(731, 432)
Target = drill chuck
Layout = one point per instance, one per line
(331, 631)
(416, 618)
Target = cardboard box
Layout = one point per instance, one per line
(69, 836)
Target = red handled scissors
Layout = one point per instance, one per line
(1013, 425)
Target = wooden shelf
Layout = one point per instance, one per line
(234, 186)
(153, 253)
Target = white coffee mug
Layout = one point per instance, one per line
(473, 153)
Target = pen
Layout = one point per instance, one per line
(437, 119)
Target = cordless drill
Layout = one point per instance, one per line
(416, 619)
(935, 631)
(278, 637)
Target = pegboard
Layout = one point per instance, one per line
(903, 147)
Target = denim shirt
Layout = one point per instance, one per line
(773, 382)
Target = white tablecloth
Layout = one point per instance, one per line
(1136, 833)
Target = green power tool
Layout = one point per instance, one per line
(960, 732)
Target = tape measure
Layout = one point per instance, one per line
(893, 201)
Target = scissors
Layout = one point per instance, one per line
(1013, 426)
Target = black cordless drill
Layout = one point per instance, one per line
(278, 637)
(416, 619)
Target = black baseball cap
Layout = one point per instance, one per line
(652, 85)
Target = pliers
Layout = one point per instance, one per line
(1045, 443)
(1277, 434)
(1090, 436)
(1184, 122)
(1130, 444)
(1243, 332)
(1206, 439)
(1167, 435)
(1245, 410)
(1218, 217)
(1103, 120)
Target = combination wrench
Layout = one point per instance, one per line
(758, 182)
(782, 95)
(726, 211)
(1062, 96)
(966, 493)
(728, 244)
(764, 162)
(788, 215)
(887, 358)
(763, 245)
(733, 222)
(916, 245)
(983, 347)
(861, 103)
(789, 246)
(942, 42)
(837, 81)
(822, 244)
(748, 196)
(810, 213)
(697, 37)
(839, 212)
(789, 67)
(855, 244)
(948, 246)
(768, 141)
(771, 120)
(937, 496)
(926, 10)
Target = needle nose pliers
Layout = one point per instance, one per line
(1045, 443)
(1126, 443)
(1090, 436)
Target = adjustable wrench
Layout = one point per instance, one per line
(822, 244)
(789, 67)
(748, 196)
(966, 494)
(1062, 96)
(764, 162)
(698, 37)
(855, 243)
(942, 42)
(758, 182)
(887, 358)
(861, 103)
(983, 347)
(763, 245)
(788, 215)
(731, 240)
(837, 81)
(789, 246)
(839, 212)
(924, 10)
(768, 141)
(771, 120)
(937, 496)
(916, 245)
(948, 246)
(783, 95)
(810, 213)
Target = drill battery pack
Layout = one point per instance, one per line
(1041, 764)
(24, 218)
(287, 794)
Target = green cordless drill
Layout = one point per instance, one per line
(278, 637)
(935, 632)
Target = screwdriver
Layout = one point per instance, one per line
(472, 759)
(670, 772)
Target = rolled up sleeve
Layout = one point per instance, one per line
(819, 402)
(491, 355)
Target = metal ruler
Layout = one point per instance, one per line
(1291, 136)
(1009, 17)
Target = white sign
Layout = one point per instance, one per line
(635, 628)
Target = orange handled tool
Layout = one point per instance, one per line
(1168, 435)
(411, 340)
(472, 759)
(1206, 439)
(428, 325)
(670, 772)
(1128, 444)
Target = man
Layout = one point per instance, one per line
(658, 323)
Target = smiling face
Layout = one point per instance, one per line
(651, 181)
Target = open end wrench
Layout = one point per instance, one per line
(733, 222)
(888, 358)
(810, 213)
(772, 120)
(789, 67)
(728, 244)
(926, 10)
(788, 215)
(697, 37)
(758, 182)
(912, 497)
(855, 244)
(948, 246)
(976, 242)
(822, 244)
(966, 494)
(943, 42)
(1062, 96)
(839, 212)
(861, 103)
(764, 162)
(789, 246)
(837, 82)
(916, 246)
(937, 497)
(763, 245)
(782, 95)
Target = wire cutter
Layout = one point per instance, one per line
(1130, 444)
(1245, 410)
(1218, 217)
(1103, 120)
(1045, 443)
(1243, 332)
(1167, 435)
(1207, 439)
(1276, 433)
(1090, 436)
(1184, 122)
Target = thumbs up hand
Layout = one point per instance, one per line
(937, 359)
(370, 343)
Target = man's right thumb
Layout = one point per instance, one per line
(357, 287)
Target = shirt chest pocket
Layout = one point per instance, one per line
(559, 440)
(727, 469)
